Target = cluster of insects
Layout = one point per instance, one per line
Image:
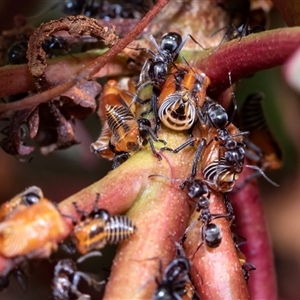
(174, 96)
(167, 95)
(32, 227)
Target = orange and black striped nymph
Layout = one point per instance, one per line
(99, 229)
(182, 94)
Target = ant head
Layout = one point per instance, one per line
(100, 214)
(171, 42)
(196, 188)
(235, 156)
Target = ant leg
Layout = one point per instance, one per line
(200, 147)
(153, 149)
(184, 237)
(153, 134)
(202, 242)
(261, 172)
(88, 255)
(155, 94)
(233, 98)
(122, 155)
(189, 142)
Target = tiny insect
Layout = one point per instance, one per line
(246, 266)
(222, 156)
(66, 280)
(32, 232)
(29, 197)
(210, 232)
(212, 116)
(128, 134)
(100, 228)
(16, 54)
(114, 95)
(261, 146)
(174, 280)
(155, 69)
(239, 32)
(182, 94)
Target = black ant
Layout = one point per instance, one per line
(156, 67)
(173, 280)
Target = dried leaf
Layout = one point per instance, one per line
(80, 99)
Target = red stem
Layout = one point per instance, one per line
(251, 224)
(216, 272)
(247, 56)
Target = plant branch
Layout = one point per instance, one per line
(251, 224)
(87, 71)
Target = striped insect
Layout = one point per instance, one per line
(29, 197)
(155, 69)
(223, 159)
(124, 132)
(66, 280)
(32, 232)
(174, 280)
(100, 228)
(261, 146)
(221, 152)
(182, 94)
(129, 134)
(112, 94)
(220, 172)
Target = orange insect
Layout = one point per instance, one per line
(189, 292)
(113, 95)
(222, 154)
(182, 94)
(29, 197)
(100, 228)
(32, 232)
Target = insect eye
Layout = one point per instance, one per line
(30, 199)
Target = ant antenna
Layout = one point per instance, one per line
(261, 172)
(173, 180)
(233, 99)
(88, 255)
